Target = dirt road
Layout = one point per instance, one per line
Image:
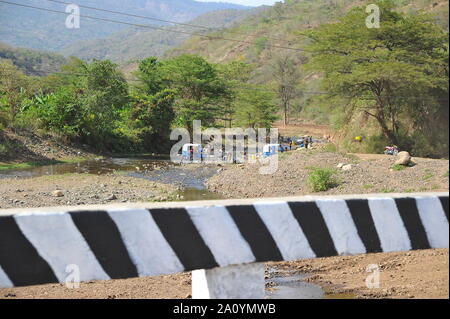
(417, 274)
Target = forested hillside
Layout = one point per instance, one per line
(43, 30)
(32, 62)
(138, 43)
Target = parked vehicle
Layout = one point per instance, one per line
(300, 142)
(192, 153)
(272, 149)
(391, 150)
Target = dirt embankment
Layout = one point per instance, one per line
(24, 146)
(366, 175)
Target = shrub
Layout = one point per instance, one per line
(322, 179)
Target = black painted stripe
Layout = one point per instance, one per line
(182, 235)
(409, 213)
(444, 202)
(255, 232)
(105, 241)
(362, 217)
(314, 227)
(19, 259)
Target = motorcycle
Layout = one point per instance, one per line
(391, 150)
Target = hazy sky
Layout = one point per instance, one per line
(245, 2)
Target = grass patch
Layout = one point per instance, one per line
(25, 165)
(28, 165)
(446, 174)
(367, 186)
(428, 175)
(322, 179)
(398, 167)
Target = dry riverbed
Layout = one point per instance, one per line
(366, 175)
(80, 189)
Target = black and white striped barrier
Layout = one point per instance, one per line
(227, 238)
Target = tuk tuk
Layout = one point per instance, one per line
(272, 149)
(192, 153)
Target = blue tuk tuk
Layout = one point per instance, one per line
(272, 149)
(192, 153)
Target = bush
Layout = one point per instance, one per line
(322, 179)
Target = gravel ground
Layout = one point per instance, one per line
(421, 274)
(367, 175)
(80, 189)
(416, 274)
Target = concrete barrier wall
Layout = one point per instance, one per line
(124, 241)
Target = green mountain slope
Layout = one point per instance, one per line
(32, 62)
(31, 28)
(137, 43)
(279, 26)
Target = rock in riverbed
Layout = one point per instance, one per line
(404, 158)
(57, 193)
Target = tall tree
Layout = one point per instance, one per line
(388, 71)
(106, 93)
(236, 74)
(287, 76)
(152, 116)
(13, 88)
(256, 109)
(200, 89)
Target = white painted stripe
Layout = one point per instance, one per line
(221, 235)
(434, 221)
(285, 230)
(58, 241)
(341, 226)
(148, 249)
(5, 282)
(390, 228)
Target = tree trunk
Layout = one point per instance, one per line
(389, 134)
(286, 119)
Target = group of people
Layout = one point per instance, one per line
(305, 142)
(195, 152)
